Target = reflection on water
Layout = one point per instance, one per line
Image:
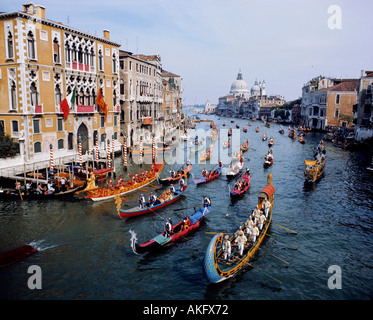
(85, 248)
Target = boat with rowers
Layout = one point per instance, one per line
(217, 266)
(245, 146)
(268, 160)
(175, 177)
(241, 186)
(211, 175)
(133, 184)
(234, 170)
(165, 199)
(264, 137)
(315, 168)
(183, 228)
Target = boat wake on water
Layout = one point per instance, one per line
(133, 240)
(41, 246)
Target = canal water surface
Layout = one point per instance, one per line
(85, 250)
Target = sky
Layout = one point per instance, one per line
(207, 42)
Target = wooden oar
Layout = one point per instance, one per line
(296, 247)
(142, 190)
(185, 208)
(263, 272)
(153, 186)
(274, 255)
(285, 228)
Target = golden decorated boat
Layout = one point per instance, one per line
(314, 169)
(99, 194)
(216, 265)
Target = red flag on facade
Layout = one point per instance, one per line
(101, 103)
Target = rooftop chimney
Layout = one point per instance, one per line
(36, 9)
(106, 34)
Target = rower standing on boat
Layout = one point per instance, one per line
(152, 199)
(141, 201)
(206, 201)
(172, 189)
(168, 228)
(227, 248)
(241, 241)
(266, 206)
(172, 173)
(181, 183)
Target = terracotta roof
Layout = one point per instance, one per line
(344, 85)
(168, 74)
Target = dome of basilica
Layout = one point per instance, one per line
(239, 86)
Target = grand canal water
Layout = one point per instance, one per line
(85, 248)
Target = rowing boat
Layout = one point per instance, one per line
(109, 193)
(268, 160)
(216, 173)
(159, 203)
(314, 169)
(15, 255)
(215, 267)
(244, 186)
(245, 146)
(177, 176)
(234, 171)
(161, 240)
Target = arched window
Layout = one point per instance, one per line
(100, 61)
(37, 147)
(13, 95)
(60, 143)
(56, 51)
(31, 46)
(57, 94)
(10, 46)
(114, 63)
(34, 94)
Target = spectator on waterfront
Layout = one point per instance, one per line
(227, 248)
(63, 184)
(18, 185)
(40, 189)
(50, 187)
(28, 186)
(241, 241)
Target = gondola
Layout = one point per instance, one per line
(257, 129)
(216, 173)
(9, 193)
(244, 129)
(227, 144)
(206, 155)
(268, 160)
(245, 185)
(237, 126)
(234, 171)
(301, 139)
(245, 146)
(264, 137)
(177, 176)
(159, 203)
(215, 267)
(230, 131)
(292, 133)
(177, 234)
(271, 142)
(224, 124)
(282, 131)
(315, 168)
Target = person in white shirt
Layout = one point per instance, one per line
(241, 240)
(266, 206)
(141, 201)
(254, 234)
(262, 220)
(227, 248)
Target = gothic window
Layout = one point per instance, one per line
(67, 53)
(114, 63)
(31, 46)
(56, 51)
(13, 95)
(100, 61)
(10, 51)
(70, 139)
(34, 94)
(58, 95)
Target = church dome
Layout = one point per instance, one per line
(255, 89)
(239, 86)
